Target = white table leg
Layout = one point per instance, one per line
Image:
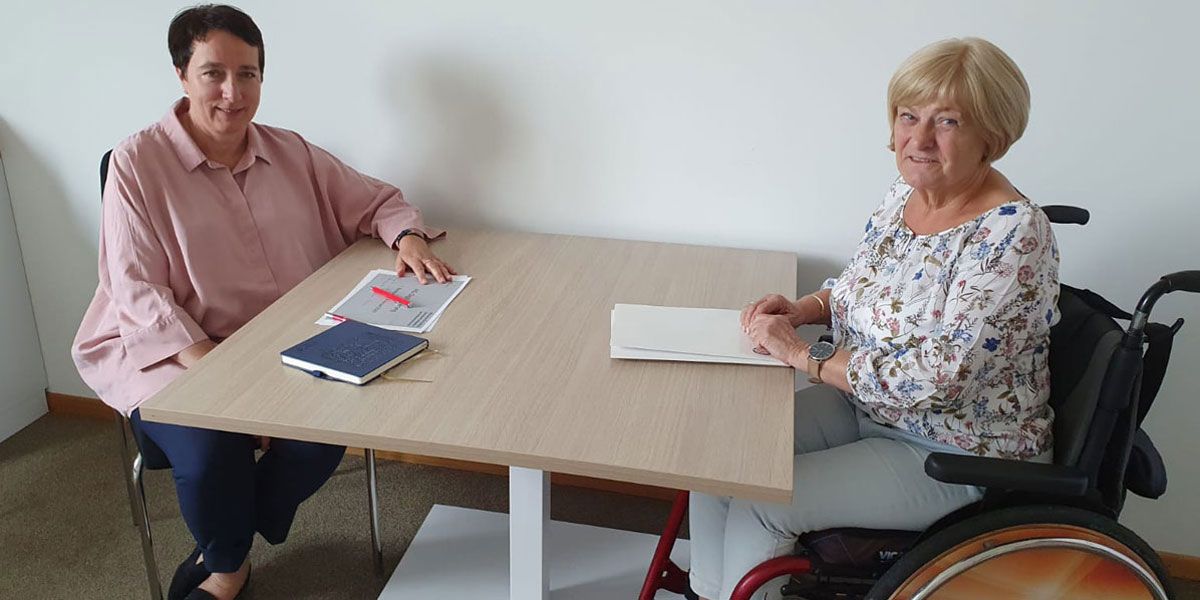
(528, 520)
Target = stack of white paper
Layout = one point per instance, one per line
(646, 332)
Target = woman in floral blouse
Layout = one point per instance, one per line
(941, 326)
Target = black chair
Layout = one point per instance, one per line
(150, 456)
(1102, 386)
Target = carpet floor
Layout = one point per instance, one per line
(66, 530)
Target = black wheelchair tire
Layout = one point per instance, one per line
(955, 534)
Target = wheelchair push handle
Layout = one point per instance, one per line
(1186, 281)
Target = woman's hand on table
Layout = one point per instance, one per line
(412, 252)
(771, 304)
(776, 335)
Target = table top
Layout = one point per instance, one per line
(523, 375)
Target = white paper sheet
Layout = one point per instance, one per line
(647, 332)
(428, 302)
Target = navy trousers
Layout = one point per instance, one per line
(225, 495)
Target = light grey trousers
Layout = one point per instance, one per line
(842, 478)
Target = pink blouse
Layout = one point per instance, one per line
(190, 249)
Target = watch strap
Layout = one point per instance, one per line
(816, 378)
(409, 231)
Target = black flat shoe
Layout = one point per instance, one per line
(199, 594)
(187, 576)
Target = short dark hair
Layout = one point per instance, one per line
(194, 24)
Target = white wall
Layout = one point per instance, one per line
(22, 375)
(757, 125)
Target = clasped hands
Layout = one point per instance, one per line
(771, 324)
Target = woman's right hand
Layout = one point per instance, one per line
(771, 304)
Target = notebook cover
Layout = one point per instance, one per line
(353, 348)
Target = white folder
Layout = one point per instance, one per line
(645, 332)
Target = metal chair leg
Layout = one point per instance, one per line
(373, 503)
(144, 530)
(129, 487)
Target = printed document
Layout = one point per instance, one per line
(426, 302)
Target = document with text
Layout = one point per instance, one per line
(426, 303)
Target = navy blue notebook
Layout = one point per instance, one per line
(353, 352)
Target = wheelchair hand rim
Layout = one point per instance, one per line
(1042, 543)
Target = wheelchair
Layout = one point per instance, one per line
(1040, 530)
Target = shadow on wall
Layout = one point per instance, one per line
(51, 215)
(812, 272)
(455, 114)
(462, 129)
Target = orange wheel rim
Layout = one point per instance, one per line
(1038, 561)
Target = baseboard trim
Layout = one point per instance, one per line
(433, 461)
(79, 406)
(1181, 566)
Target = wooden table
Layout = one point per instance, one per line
(524, 376)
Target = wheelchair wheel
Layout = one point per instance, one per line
(1028, 552)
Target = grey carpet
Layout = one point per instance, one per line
(66, 530)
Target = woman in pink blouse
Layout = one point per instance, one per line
(209, 217)
(941, 326)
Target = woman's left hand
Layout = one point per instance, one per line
(413, 253)
(776, 335)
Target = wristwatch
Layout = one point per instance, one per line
(408, 232)
(818, 353)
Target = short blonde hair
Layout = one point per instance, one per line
(975, 77)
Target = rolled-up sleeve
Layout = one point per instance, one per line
(1000, 303)
(152, 325)
(364, 205)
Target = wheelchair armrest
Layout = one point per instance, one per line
(1004, 474)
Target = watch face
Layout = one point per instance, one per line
(821, 351)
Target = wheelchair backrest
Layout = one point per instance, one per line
(1094, 387)
(1081, 346)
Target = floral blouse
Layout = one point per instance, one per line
(949, 333)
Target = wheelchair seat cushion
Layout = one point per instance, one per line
(856, 548)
